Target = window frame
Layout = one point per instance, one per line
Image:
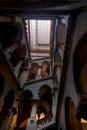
(52, 30)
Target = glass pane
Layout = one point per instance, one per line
(39, 37)
(33, 33)
(43, 28)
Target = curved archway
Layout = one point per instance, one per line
(46, 98)
(8, 102)
(26, 93)
(24, 108)
(80, 65)
(70, 116)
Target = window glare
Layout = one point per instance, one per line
(42, 33)
(39, 37)
(32, 32)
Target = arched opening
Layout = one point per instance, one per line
(8, 102)
(70, 116)
(44, 111)
(24, 108)
(80, 78)
(46, 98)
(80, 65)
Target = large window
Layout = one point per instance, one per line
(43, 28)
(39, 36)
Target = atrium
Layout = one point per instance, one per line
(43, 64)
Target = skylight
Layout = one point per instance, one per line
(39, 37)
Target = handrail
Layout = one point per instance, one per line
(45, 120)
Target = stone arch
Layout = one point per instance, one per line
(24, 107)
(80, 65)
(46, 98)
(8, 102)
(1, 84)
(26, 92)
(70, 116)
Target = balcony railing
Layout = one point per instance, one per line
(44, 121)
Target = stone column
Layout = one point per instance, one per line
(53, 106)
(54, 97)
(32, 122)
(38, 76)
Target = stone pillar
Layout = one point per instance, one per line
(34, 110)
(38, 76)
(54, 97)
(32, 122)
